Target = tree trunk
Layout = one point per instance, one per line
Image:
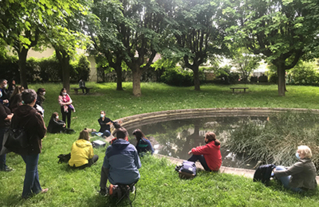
(64, 61)
(118, 70)
(22, 66)
(196, 78)
(281, 80)
(136, 73)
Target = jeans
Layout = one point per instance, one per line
(2, 157)
(285, 180)
(31, 180)
(201, 159)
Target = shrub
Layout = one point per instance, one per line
(178, 77)
(304, 74)
(276, 140)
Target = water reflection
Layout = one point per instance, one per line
(175, 138)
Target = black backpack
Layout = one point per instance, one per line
(263, 173)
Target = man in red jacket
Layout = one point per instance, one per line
(209, 155)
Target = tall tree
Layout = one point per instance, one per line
(282, 31)
(245, 62)
(199, 33)
(104, 28)
(22, 22)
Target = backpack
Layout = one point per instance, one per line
(64, 158)
(187, 170)
(263, 173)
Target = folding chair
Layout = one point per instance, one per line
(125, 190)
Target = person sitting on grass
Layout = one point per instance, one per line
(121, 163)
(57, 126)
(143, 145)
(105, 123)
(302, 175)
(117, 125)
(208, 155)
(82, 154)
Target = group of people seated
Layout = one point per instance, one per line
(122, 159)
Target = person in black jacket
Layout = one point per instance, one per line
(57, 126)
(28, 118)
(5, 118)
(105, 124)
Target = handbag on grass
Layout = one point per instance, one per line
(16, 139)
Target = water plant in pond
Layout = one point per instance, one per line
(276, 140)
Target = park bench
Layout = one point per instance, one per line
(76, 90)
(239, 88)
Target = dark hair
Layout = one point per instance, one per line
(54, 115)
(121, 133)
(40, 90)
(139, 134)
(28, 96)
(84, 134)
(17, 90)
(117, 125)
(211, 136)
(103, 112)
(63, 90)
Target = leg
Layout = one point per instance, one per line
(69, 118)
(31, 180)
(93, 160)
(285, 180)
(107, 133)
(201, 159)
(2, 157)
(63, 114)
(104, 176)
(82, 89)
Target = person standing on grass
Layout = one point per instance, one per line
(82, 86)
(4, 99)
(28, 118)
(65, 102)
(121, 163)
(302, 175)
(5, 120)
(82, 154)
(143, 145)
(208, 155)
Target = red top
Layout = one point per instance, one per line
(211, 154)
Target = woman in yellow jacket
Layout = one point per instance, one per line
(82, 154)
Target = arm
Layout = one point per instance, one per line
(296, 168)
(91, 153)
(150, 146)
(137, 160)
(39, 125)
(201, 150)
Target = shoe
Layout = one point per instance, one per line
(103, 192)
(178, 167)
(133, 189)
(6, 169)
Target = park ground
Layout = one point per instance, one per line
(159, 184)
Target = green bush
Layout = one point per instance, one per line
(304, 74)
(177, 77)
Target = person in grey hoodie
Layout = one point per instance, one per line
(121, 163)
(300, 176)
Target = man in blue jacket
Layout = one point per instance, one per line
(121, 163)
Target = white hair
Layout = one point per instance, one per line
(305, 150)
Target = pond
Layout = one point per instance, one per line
(176, 137)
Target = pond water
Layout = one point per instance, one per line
(176, 137)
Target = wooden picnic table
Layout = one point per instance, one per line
(239, 88)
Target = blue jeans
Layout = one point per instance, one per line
(31, 180)
(285, 180)
(106, 133)
(2, 157)
(201, 159)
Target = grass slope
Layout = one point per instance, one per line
(159, 184)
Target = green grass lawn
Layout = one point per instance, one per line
(159, 184)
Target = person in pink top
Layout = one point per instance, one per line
(208, 155)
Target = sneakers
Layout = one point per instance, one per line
(6, 169)
(133, 189)
(178, 167)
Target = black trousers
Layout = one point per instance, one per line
(66, 116)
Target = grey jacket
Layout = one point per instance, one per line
(303, 174)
